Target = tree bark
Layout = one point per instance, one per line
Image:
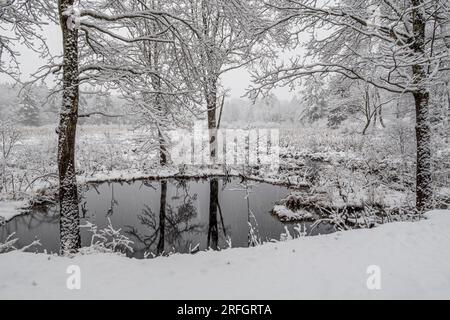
(154, 61)
(380, 114)
(368, 122)
(375, 118)
(423, 142)
(211, 78)
(211, 103)
(162, 149)
(424, 192)
(213, 230)
(162, 218)
(161, 110)
(162, 140)
(367, 112)
(378, 117)
(447, 130)
(68, 192)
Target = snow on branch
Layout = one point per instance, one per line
(370, 41)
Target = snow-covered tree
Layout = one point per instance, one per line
(221, 41)
(97, 52)
(29, 107)
(165, 96)
(314, 100)
(404, 45)
(357, 99)
(21, 23)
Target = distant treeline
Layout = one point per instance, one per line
(36, 106)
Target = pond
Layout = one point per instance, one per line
(170, 216)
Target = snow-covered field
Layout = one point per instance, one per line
(310, 116)
(413, 260)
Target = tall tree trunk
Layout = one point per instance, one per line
(424, 192)
(161, 139)
(367, 112)
(207, 41)
(397, 110)
(162, 149)
(380, 114)
(211, 103)
(375, 117)
(368, 122)
(213, 230)
(155, 50)
(447, 130)
(68, 193)
(162, 218)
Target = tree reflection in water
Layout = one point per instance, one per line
(39, 217)
(213, 231)
(167, 229)
(183, 216)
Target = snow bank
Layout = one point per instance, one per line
(414, 259)
(10, 209)
(287, 215)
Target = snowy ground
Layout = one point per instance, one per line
(10, 209)
(414, 259)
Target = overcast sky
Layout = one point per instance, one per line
(237, 81)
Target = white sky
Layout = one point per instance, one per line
(236, 81)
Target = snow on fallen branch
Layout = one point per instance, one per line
(10, 244)
(98, 113)
(288, 215)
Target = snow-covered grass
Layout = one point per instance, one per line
(413, 259)
(352, 169)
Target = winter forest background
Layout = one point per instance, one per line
(359, 90)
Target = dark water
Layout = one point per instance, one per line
(194, 215)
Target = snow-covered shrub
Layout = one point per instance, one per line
(254, 238)
(286, 236)
(30, 165)
(10, 137)
(107, 240)
(10, 242)
(300, 232)
(401, 135)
